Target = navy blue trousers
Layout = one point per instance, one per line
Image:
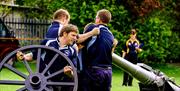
(95, 79)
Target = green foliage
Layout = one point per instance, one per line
(20, 2)
(154, 25)
(161, 43)
(174, 42)
(4, 10)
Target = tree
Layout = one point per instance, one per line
(156, 20)
(4, 10)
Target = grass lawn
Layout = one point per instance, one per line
(117, 82)
(171, 70)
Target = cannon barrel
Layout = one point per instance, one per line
(141, 74)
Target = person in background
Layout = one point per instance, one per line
(130, 52)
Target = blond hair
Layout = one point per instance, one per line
(61, 13)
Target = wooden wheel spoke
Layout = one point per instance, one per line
(47, 89)
(56, 73)
(50, 64)
(60, 83)
(27, 66)
(22, 89)
(8, 82)
(15, 71)
(38, 60)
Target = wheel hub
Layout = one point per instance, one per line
(36, 82)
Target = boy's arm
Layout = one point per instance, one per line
(139, 48)
(21, 56)
(85, 36)
(115, 42)
(124, 52)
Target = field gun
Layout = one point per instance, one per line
(150, 80)
(36, 80)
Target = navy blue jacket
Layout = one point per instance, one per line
(54, 30)
(98, 49)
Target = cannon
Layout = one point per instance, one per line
(150, 80)
(36, 80)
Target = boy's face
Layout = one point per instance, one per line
(71, 38)
(97, 20)
(65, 20)
(133, 31)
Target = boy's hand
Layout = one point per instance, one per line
(19, 56)
(68, 71)
(115, 42)
(96, 31)
(138, 49)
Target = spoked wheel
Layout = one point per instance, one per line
(41, 78)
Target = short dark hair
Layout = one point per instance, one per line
(69, 28)
(104, 15)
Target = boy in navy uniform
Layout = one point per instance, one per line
(67, 36)
(97, 55)
(60, 18)
(65, 40)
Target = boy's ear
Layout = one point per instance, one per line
(64, 34)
